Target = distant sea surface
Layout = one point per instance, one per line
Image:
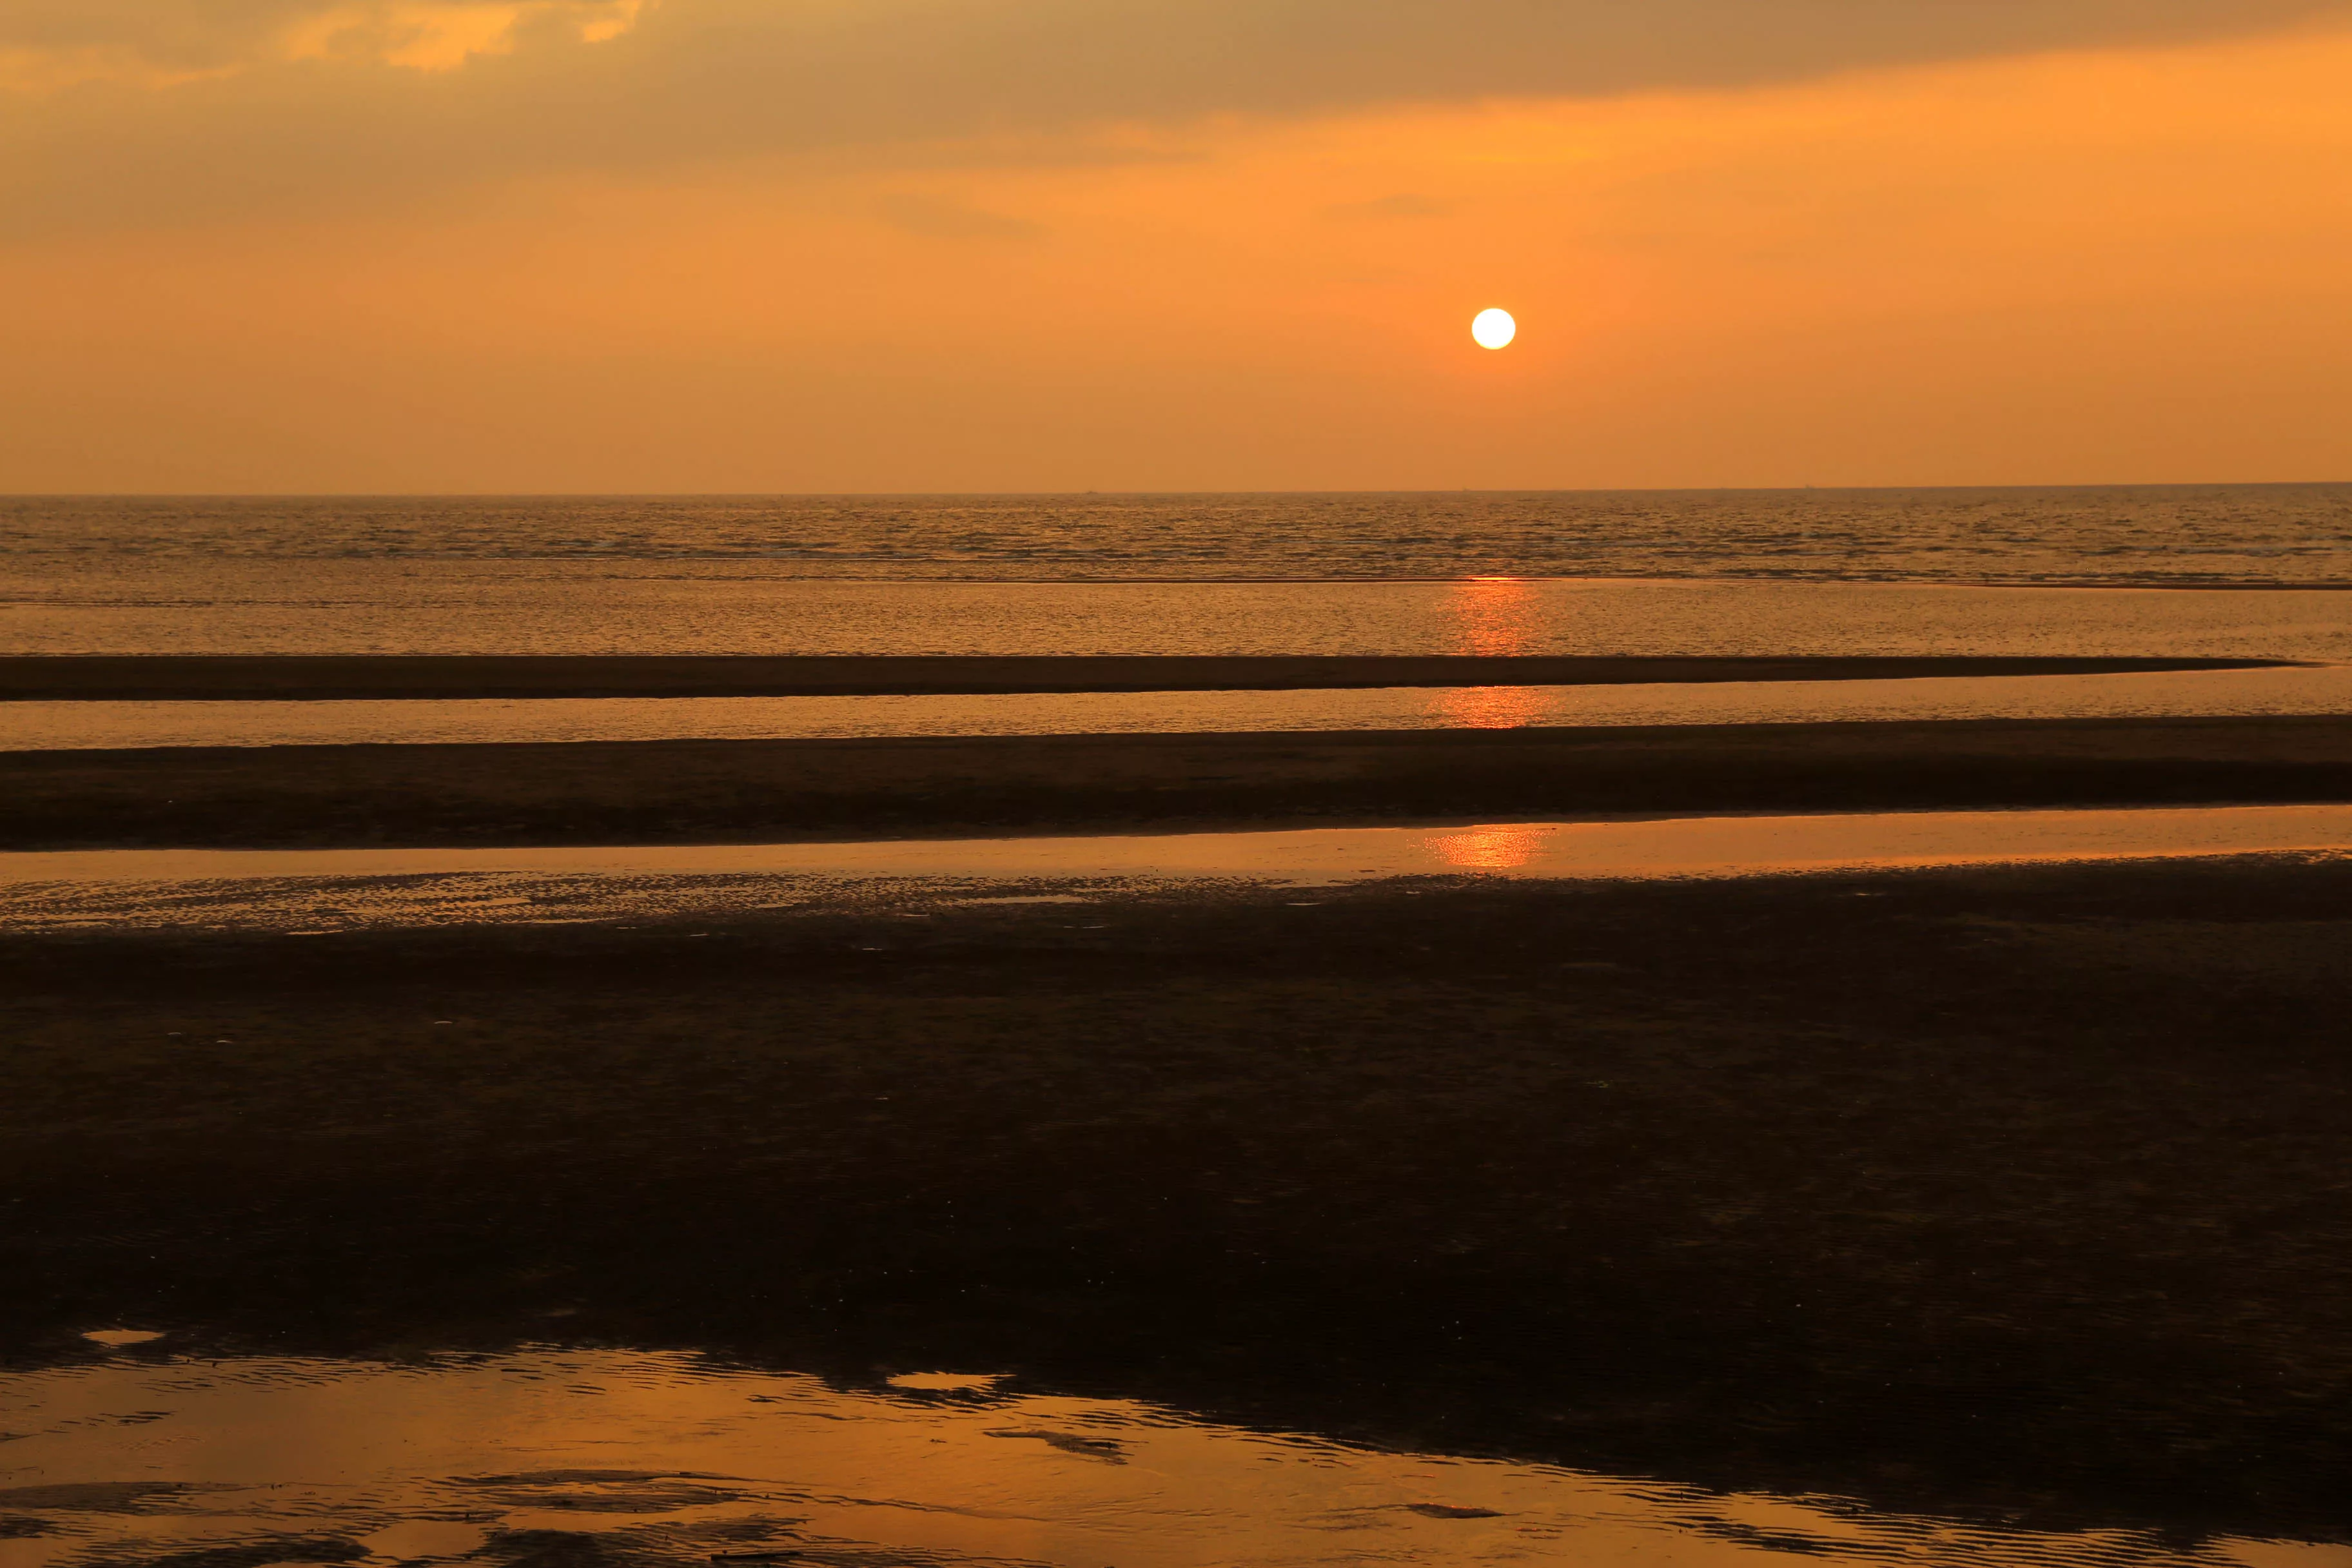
(2027, 571)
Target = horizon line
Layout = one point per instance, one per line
(7, 496)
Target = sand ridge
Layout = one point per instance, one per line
(155, 677)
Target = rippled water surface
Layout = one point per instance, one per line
(2235, 534)
(1791, 572)
(622, 1457)
(110, 606)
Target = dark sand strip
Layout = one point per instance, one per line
(164, 678)
(675, 792)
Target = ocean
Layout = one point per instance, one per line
(1823, 572)
(2223, 535)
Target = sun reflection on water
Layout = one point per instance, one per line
(1490, 848)
(1489, 707)
(1495, 617)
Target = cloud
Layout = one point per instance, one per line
(938, 217)
(154, 111)
(163, 35)
(46, 46)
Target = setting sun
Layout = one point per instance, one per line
(1494, 328)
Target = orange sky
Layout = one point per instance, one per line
(2113, 260)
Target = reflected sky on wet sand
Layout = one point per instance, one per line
(99, 725)
(615, 1456)
(328, 889)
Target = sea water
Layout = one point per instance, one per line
(2137, 570)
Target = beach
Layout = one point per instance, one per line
(1990, 1193)
(2006, 1195)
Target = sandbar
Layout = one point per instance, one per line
(145, 676)
(686, 792)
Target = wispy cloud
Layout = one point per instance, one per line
(48, 46)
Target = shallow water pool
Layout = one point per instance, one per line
(96, 725)
(629, 1457)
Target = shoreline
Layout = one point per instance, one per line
(423, 677)
(719, 791)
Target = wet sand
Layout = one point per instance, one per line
(2006, 1194)
(320, 677)
(2274, 691)
(318, 892)
(2013, 1195)
(683, 791)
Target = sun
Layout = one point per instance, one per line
(1494, 328)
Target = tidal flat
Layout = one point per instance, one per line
(2002, 1194)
